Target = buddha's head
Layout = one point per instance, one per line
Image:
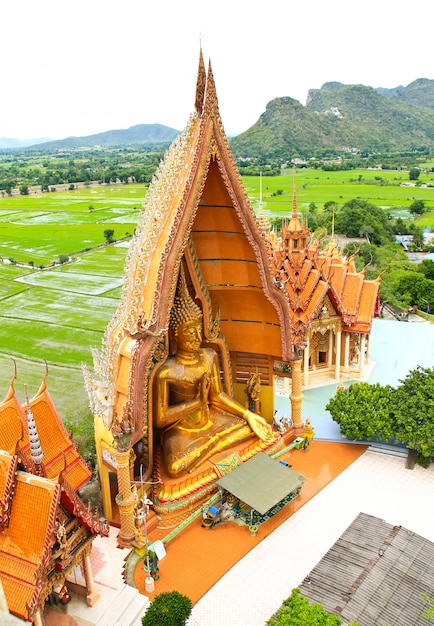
(189, 336)
(185, 319)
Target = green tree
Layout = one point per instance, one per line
(365, 253)
(363, 411)
(83, 434)
(417, 207)
(427, 268)
(414, 173)
(412, 411)
(360, 218)
(296, 611)
(108, 235)
(169, 608)
(24, 190)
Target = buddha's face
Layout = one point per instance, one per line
(189, 336)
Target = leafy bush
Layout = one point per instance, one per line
(84, 437)
(296, 611)
(169, 608)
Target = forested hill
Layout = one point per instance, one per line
(135, 135)
(343, 117)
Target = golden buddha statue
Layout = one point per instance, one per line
(196, 417)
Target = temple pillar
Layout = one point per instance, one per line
(125, 499)
(306, 363)
(362, 356)
(92, 591)
(38, 619)
(346, 351)
(296, 396)
(338, 355)
(368, 351)
(330, 350)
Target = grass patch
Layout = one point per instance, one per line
(72, 281)
(62, 345)
(58, 314)
(61, 308)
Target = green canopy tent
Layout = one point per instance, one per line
(261, 482)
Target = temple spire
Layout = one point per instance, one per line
(200, 85)
(210, 100)
(35, 443)
(263, 221)
(294, 194)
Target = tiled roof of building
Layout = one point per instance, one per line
(26, 543)
(308, 274)
(59, 451)
(12, 424)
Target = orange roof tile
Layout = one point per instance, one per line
(58, 449)
(368, 300)
(337, 278)
(351, 293)
(12, 425)
(26, 542)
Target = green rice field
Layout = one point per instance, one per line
(57, 313)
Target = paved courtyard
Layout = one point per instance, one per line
(375, 484)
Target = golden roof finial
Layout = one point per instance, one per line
(43, 386)
(210, 100)
(200, 85)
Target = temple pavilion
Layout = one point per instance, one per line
(273, 304)
(46, 531)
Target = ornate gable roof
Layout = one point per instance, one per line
(197, 208)
(25, 545)
(307, 274)
(59, 453)
(31, 504)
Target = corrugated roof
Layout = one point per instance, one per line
(374, 574)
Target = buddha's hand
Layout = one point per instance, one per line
(259, 426)
(205, 385)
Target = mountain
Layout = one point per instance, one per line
(134, 135)
(418, 93)
(343, 117)
(9, 143)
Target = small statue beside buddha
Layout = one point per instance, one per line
(195, 417)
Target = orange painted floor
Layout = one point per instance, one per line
(197, 558)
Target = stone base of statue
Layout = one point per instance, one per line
(176, 499)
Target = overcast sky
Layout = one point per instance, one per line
(85, 66)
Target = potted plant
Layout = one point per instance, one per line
(169, 608)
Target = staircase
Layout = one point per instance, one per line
(116, 607)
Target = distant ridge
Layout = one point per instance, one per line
(7, 143)
(134, 135)
(339, 117)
